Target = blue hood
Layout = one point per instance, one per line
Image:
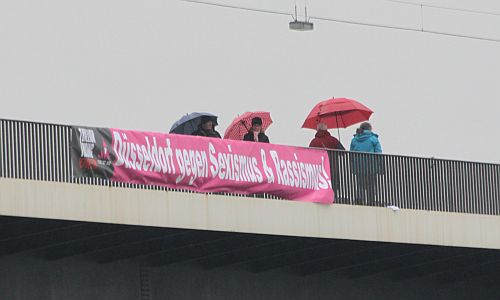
(366, 142)
(365, 136)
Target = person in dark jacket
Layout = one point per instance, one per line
(207, 128)
(256, 134)
(366, 166)
(323, 139)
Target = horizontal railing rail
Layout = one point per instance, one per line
(39, 151)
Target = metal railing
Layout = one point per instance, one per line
(40, 151)
(416, 183)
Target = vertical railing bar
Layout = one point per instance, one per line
(60, 151)
(397, 182)
(460, 185)
(382, 189)
(17, 150)
(426, 191)
(343, 188)
(50, 130)
(488, 176)
(374, 179)
(64, 155)
(446, 199)
(40, 151)
(465, 187)
(8, 151)
(3, 162)
(15, 157)
(57, 152)
(487, 188)
(339, 197)
(427, 188)
(496, 189)
(11, 156)
(346, 181)
(378, 179)
(50, 162)
(446, 174)
(407, 181)
(2, 151)
(401, 179)
(29, 149)
(484, 192)
(67, 145)
(473, 189)
(408, 178)
(44, 158)
(491, 175)
(478, 189)
(449, 183)
(439, 184)
(468, 188)
(48, 152)
(413, 181)
(350, 174)
(453, 186)
(480, 184)
(470, 191)
(60, 155)
(419, 179)
(432, 182)
(26, 168)
(35, 152)
(389, 170)
(354, 179)
(21, 138)
(496, 173)
(22, 155)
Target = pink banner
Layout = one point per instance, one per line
(212, 165)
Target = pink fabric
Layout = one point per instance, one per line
(213, 165)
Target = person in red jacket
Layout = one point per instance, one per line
(323, 139)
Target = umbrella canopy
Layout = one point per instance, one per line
(242, 124)
(189, 122)
(337, 113)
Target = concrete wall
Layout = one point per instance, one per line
(213, 212)
(24, 278)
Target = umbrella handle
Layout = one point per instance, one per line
(244, 125)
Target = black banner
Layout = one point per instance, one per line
(91, 152)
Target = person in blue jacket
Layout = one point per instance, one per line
(365, 140)
(366, 166)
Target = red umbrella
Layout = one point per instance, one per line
(337, 113)
(242, 124)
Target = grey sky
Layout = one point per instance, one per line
(143, 64)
